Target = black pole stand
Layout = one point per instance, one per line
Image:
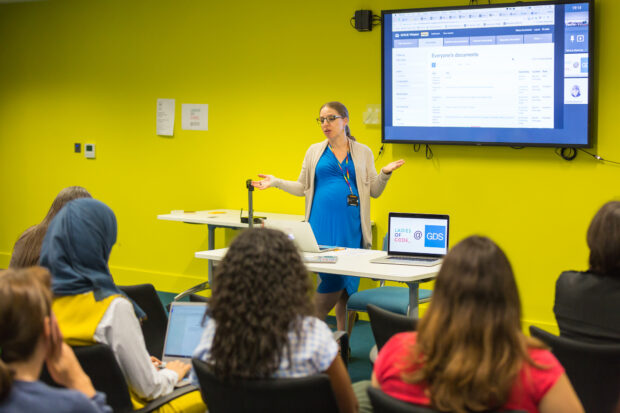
(248, 184)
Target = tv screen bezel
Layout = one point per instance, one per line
(591, 91)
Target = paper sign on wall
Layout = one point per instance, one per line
(194, 117)
(165, 117)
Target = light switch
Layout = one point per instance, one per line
(89, 150)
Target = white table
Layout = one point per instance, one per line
(219, 218)
(355, 262)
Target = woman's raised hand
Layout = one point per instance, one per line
(65, 369)
(264, 183)
(392, 166)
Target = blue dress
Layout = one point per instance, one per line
(332, 219)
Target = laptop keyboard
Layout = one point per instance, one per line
(418, 259)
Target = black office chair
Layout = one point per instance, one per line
(385, 324)
(154, 327)
(301, 395)
(195, 298)
(100, 365)
(382, 403)
(593, 369)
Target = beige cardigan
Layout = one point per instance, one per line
(369, 183)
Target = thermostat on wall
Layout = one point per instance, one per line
(89, 150)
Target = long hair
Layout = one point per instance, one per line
(342, 111)
(604, 240)
(28, 247)
(260, 291)
(469, 347)
(25, 301)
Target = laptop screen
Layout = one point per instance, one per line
(418, 234)
(184, 329)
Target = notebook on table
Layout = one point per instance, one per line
(301, 233)
(416, 239)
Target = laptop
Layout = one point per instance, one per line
(416, 239)
(184, 330)
(301, 233)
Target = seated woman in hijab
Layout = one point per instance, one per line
(90, 308)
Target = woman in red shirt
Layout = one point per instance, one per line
(469, 353)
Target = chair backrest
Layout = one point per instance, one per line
(195, 298)
(100, 365)
(385, 324)
(593, 369)
(306, 394)
(382, 403)
(154, 327)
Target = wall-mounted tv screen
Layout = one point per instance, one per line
(502, 74)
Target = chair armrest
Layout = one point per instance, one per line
(160, 401)
(342, 338)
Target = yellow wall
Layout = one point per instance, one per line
(91, 71)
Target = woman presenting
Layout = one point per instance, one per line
(337, 177)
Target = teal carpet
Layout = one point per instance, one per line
(361, 342)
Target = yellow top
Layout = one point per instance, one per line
(79, 315)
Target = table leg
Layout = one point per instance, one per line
(211, 247)
(413, 298)
(205, 285)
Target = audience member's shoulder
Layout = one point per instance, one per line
(543, 357)
(27, 232)
(121, 305)
(313, 323)
(568, 276)
(37, 396)
(399, 341)
(571, 278)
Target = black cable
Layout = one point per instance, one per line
(380, 152)
(416, 147)
(351, 21)
(597, 157)
(429, 152)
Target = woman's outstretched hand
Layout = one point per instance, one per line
(264, 183)
(392, 166)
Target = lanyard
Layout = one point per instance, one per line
(345, 171)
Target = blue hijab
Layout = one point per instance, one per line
(76, 249)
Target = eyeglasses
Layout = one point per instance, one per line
(329, 119)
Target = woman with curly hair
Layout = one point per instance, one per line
(469, 354)
(260, 320)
